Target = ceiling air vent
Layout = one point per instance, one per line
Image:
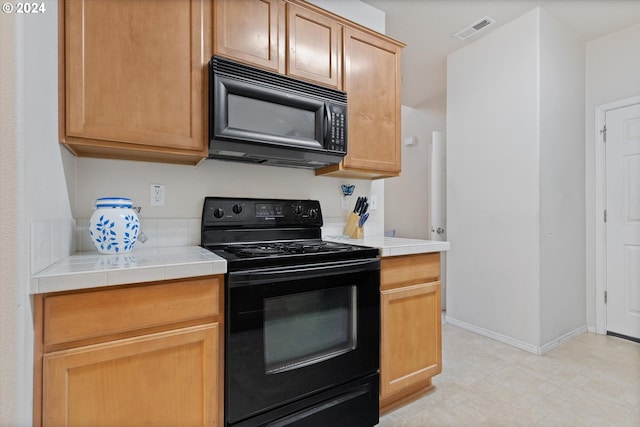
(467, 32)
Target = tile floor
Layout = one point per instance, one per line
(592, 380)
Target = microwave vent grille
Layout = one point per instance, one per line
(256, 75)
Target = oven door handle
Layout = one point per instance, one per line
(301, 272)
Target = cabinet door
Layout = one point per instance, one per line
(164, 379)
(251, 31)
(314, 46)
(372, 80)
(134, 75)
(411, 337)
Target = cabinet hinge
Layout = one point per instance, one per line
(605, 215)
(605, 297)
(603, 132)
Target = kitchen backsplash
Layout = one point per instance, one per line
(177, 232)
(159, 233)
(51, 240)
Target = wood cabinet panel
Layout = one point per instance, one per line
(411, 337)
(411, 327)
(164, 379)
(314, 46)
(409, 269)
(144, 354)
(103, 313)
(373, 82)
(129, 86)
(249, 31)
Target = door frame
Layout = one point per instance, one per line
(600, 203)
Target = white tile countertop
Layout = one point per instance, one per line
(394, 246)
(91, 269)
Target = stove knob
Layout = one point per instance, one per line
(297, 209)
(237, 209)
(313, 213)
(218, 213)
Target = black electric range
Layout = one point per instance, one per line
(252, 233)
(302, 316)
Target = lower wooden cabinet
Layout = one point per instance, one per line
(164, 379)
(411, 347)
(157, 361)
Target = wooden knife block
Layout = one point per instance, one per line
(351, 229)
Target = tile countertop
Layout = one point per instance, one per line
(90, 269)
(395, 246)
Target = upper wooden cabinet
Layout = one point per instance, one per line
(314, 46)
(249, 31)
(373, 82)
(132, 79)
(280, 37)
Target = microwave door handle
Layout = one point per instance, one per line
(329, 125)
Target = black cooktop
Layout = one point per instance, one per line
(265, 254)
(252, 233)
(263, 249)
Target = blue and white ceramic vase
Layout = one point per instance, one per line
(114, 225)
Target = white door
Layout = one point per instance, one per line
(438, 202)
(622, 152)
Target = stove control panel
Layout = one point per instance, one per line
(244, 212)
(265, 210)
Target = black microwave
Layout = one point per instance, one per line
(262, 117)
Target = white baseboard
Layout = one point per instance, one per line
(563, 339)
(517, 343)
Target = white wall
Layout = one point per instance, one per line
(34, 190)
(515, 156)
(562, 154)
(186, 187)
(612, 74)
(9, 231)
(356, 11)
(407, 197)
(492, 181)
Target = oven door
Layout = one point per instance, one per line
(295, 331)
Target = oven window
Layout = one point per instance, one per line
(307, 328)
(270, 118)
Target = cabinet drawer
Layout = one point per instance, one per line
(84, 317)
(409, 269)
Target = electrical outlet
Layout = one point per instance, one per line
(156, 194)
(345, 203)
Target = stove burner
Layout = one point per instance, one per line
(283, 248)
(246, 251)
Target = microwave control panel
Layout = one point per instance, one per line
(338, 135)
